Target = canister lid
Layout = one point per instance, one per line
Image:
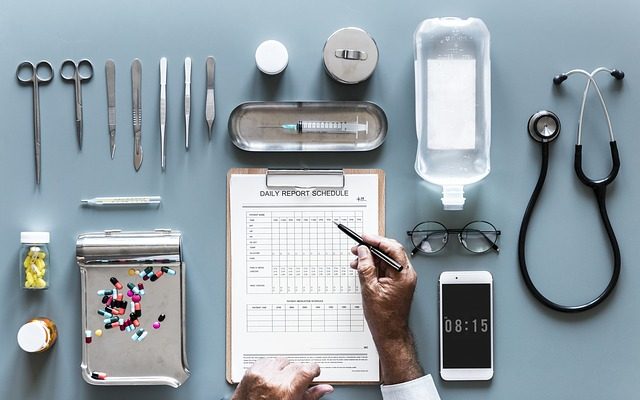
(272, 57)
(350, 55)
(34, 237)
(32, 337)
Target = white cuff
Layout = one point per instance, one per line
(422, 388)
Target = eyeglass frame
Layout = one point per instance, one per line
(459, 231)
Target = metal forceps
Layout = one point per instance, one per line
(35, 79)
(74, 74)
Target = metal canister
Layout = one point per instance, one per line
(350, 55)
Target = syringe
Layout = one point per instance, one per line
(335, 127)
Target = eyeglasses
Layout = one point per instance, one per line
(430, 237)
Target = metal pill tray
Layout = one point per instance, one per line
(159, 359)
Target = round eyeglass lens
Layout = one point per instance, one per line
(478, 236)
(429, 237)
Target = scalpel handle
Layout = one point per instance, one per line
(210, 110)
(136, 97)
(110, 70)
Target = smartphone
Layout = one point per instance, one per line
(466, 325)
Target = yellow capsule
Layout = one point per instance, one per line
(41, 283)
(42, 255)
(28, 284)
(98, 332)
(39, 263)
(27, 262)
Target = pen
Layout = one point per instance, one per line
(374, 250)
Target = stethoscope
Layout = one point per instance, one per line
(544, 127)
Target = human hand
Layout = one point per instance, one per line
(277, 379)
(386, 300)
(386, 293)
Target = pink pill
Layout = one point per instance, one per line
(129, 293)
(136, 298)
(156, 325)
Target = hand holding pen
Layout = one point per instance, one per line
(386, 299)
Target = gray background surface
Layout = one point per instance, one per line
(538, 353)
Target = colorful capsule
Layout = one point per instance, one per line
(99, 375)
(138, 309)
(133, 316)
(110, 320)
(136, 335)
(120, 297)
(109, 300)
(157, 275)
(141, 274)
(141, 288)
(87, 336)
(156, 325)
(161, 317)
(168, 271)
(98, 332)
(136, 298)
(144, 335)
(105, 298)
(105, 313)
(106, 292)
(115, 283)
(122, 328)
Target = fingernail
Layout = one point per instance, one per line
(362, 251)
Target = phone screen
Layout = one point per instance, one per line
(466, 325)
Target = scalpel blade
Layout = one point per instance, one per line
(110, 69)
(136, 97)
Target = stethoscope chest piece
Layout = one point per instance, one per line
(544, 126)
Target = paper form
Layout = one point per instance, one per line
(293, 293)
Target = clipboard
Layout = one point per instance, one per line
(293, 180)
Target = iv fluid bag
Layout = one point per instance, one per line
(453, 104)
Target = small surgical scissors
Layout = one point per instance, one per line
(76, 76)
(37, 77)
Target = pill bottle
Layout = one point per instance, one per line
(34, 260)
(37, 335)
(453, 104)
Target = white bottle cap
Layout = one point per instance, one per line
(34, 237)
(272, 57)
(453, 197)
(32, 337)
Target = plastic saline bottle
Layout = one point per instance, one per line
(453, 104)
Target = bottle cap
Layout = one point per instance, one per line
(33, 337)
(272, 57)
(34, 237)
(350, 55)
(453, 197)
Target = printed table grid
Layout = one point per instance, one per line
(305, 318)
(300, 252)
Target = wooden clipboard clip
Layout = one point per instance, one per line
(305, 178)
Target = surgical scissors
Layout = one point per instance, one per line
(35, 79)
(77, 77)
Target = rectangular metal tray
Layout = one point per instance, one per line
(159, 359)
(255, 126)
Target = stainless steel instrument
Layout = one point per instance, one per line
(35, 79)
(75, 76)
(210, 110)
(163, 113)
(110, 71)
(136, 93)
(187, 100)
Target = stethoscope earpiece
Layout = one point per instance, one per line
(544, 126)
(619, 75)
(558, 79)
